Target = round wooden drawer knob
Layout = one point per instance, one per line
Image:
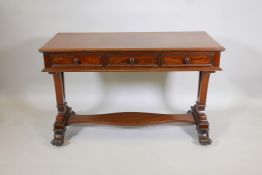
(77, 61)
(132, 61)
(187, 60)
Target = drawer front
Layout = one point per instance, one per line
(132, 60)
(186, 60)
(76, 59)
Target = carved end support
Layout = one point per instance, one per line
(202, 124)
(64, 113)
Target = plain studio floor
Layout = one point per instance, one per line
(26, 129)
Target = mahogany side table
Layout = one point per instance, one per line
(131, 52)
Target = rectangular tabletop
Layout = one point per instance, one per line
(132, 41)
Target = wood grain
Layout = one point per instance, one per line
(129, 69)
(142, 61)
(131, 41)
(130, 118)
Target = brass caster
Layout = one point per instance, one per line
(204, 138)
(58, 137)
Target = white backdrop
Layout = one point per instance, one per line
(28, 103)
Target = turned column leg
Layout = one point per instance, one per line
(64, 111)
(198, 110)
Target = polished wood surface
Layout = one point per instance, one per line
(135, 41)
(130, 118)
(131, 52)
(131, 61)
